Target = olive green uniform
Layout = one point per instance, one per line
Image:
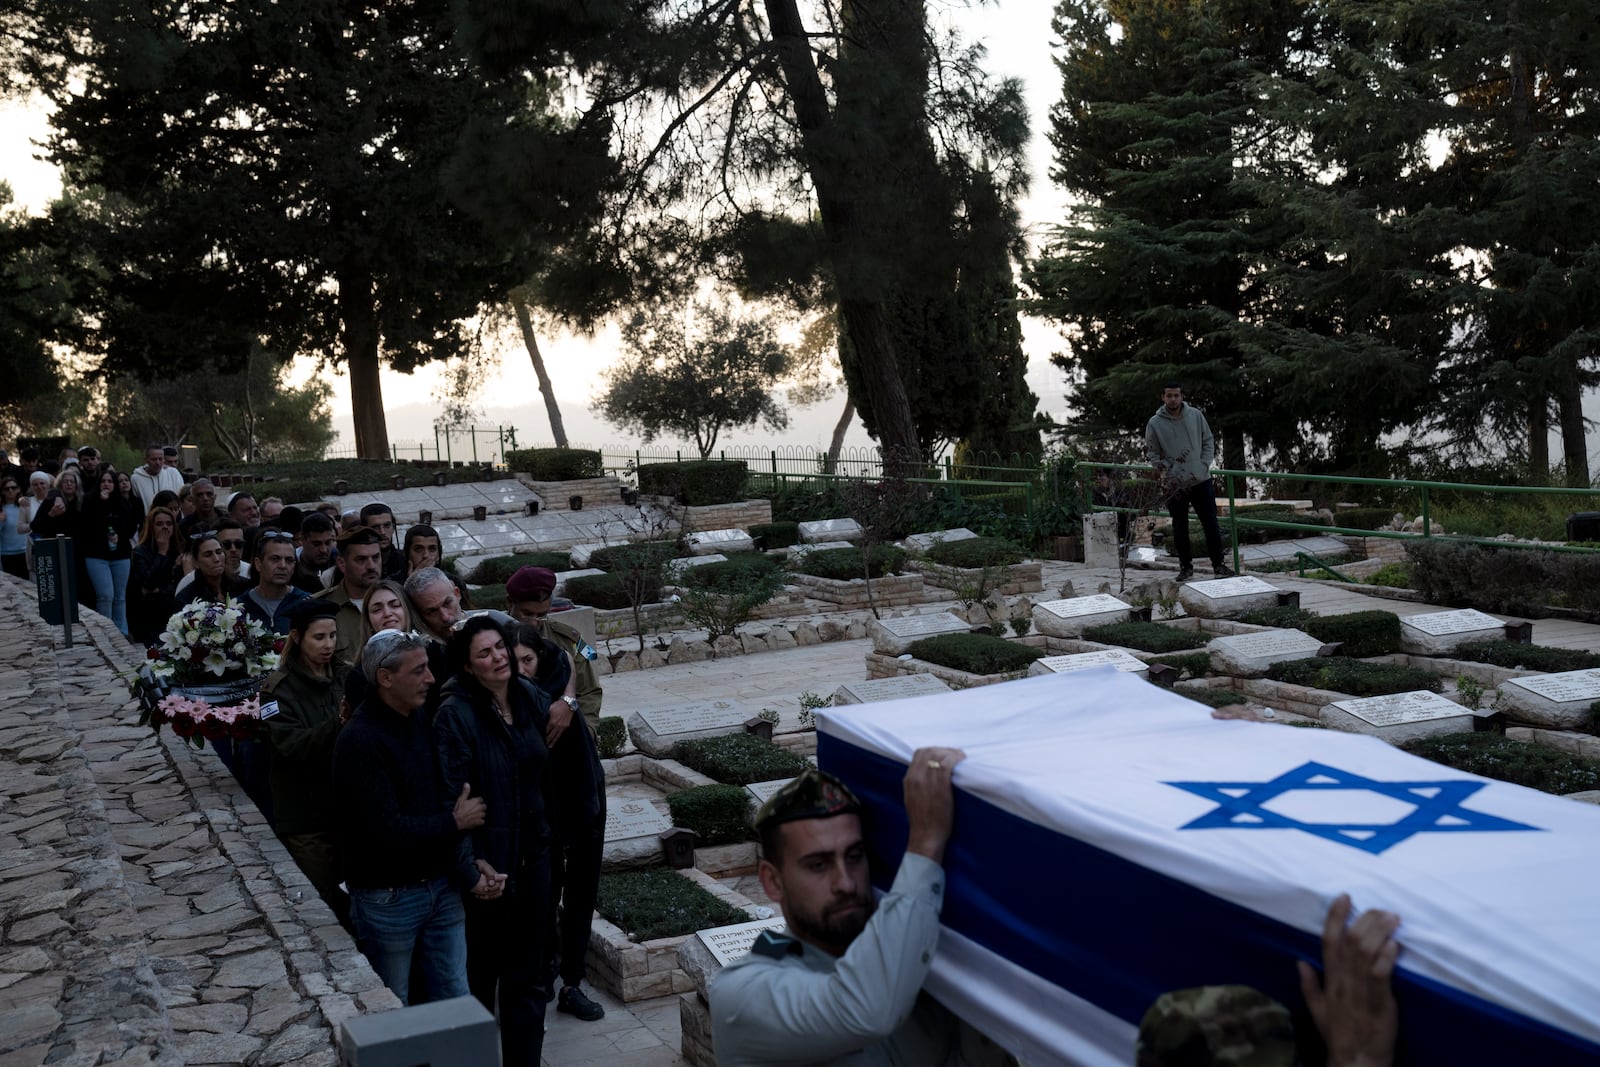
(348, 623)
(583, 655)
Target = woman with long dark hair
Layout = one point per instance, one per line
(208, 562)
(110, 525)
(153, 572)
(63, 514)
(490, 729)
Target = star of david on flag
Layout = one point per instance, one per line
(1436, 807)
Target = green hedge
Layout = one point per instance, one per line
(975, 653)
(739, 759)
(1189, 664)
(1146, 636)
(1364, 633)
(976, 552)
(308, 481)
(1528, 657)
(646, 905)
(1353, 676)
(489, 597)
(1216, 698)
(696, 482)
(718, 814)
(1492, 756)
(1391, 576)
(846, 563)
(609, 591)
(730, 576)
(1283, 618)
(776, 534)
(1363, 518)
(1512, 581)
(501, 568)
(646, 555)
(556, 464)
(611, 735)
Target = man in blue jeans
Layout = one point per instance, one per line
(1179, 444)
(400, 838)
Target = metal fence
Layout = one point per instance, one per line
(479, 444)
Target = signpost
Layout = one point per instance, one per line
(54, 574)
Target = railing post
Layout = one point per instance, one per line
(474, 432)
(1427, 524)
(774, 461)
(1233, 519)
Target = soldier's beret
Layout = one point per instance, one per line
(813, 795)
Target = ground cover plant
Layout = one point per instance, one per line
(1515, 654)
(1353, 676)
(1391, 575)
(611, 735)
(1216, 698)
(718, 814)
(976, 552)
(846, 564)
(776, 534)
(731, 575)
(1188, 664)
(635, 553)
(1493, 756)
(1146, 636)
(975, 653)
(500, 568)
(1364, 633)
(739, 759)
(1286, 618)
(610, 592)
(646, 905)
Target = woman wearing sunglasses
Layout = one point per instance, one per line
(15, 511)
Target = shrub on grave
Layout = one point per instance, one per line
(635, 555)
(611, 591)
(1188, 664)
(718, 814)
(844, 564)
(1528, 657)
(739, 759)
(696, 482)
(1493, 756)
(487, 598)
(1284, 618)
(975, 653)
(646, 905)
(1353, 676)
(501, 568)
(1364, 633)
(1363, 518)
(556, 464)
(976, 552)
(1391, 576)
(732, 576)
(1146, 636)
(776, 534)
(1216, 698)
(610, 736)
(1512, 581)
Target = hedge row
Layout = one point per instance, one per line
(975, 653)
(696, 482)
(642, 555)
(499, 569)
(730, 576)
(976, 552)
(610, 591)
(845, 564)
(1512, 581)
(776, 534)
(718, 814)
(646, 905)
(611, 735)
(1146, 636)
(1364, 633)
(1353, 676)
(1492, 756)
(556, 464)
(739, 759)
(1514, 654)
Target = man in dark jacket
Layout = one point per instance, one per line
(1179, 443)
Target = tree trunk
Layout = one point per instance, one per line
(1574, 445)
(1539, 441)
(531, 342)
(358, 317)
(1233, 457)
(839, 430)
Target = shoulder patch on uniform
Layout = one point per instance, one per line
(774, 945)
(586, 650)
(268, 710)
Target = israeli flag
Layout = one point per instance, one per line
(1114, 842)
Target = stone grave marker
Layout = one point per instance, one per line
(1399, 717)
(730, 943)
(923, 541)
(876, 690)
(1249, 655)
(1437, 633)
(633, 833)
(707, 542)
(1100, 539)
(797, 552)
(893, 637)
(761, 792)
(656, 730)
(830, 530)
(1083, 661)
(1559, 700)
(563, 577)
(673, 569)
(579, 554)
(1226, 598)
(1073, 615)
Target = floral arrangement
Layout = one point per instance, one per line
(196, 721)
(205, 643)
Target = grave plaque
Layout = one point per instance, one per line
(1072, 616)
(1100, 540)
(674, 568)
(1437, 633)
(1559, 700)
(708, 542)
(627, 819)
(655, 731)
(579, 554)
(761, 792)
(923, 541)
(1083, 661)
(893, 637)
(730, 943)
(1225, 598)
(1399, 717)
(830, 530)
(1249, 655)
(876, 690)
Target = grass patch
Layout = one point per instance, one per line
(646, 905)
(501, 568)
(1189, 664)
(1216, 698)
(1146, 636)
(1492, 756)
(975, 653)
(845, 564)
(1284, 618)
(489, 597)
(976, 552)
(1353, 676)
(1364, 633)
(718, 814)
(1391, 576)
(1514, 654)
(739, 759)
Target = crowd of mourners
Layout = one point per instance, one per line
(433, 771)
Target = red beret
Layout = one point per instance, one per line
(531, 583)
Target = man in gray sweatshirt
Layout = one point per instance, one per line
(1179, 444)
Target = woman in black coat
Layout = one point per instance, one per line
(490, 730)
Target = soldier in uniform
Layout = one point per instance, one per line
(844, 984)
(580, 838)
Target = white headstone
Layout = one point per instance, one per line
(797, 552)
(673, 569)
(627, 819)
(895, 636)
(1073, 615)
(923, 541)
(656, 730)
(1082, 661)
(1399, 717)
(876, 690)
(1559, 700)
(563, 577)
(580, 554)
(761, 792)
(830, 530)
(1100, 539)
(1249, 655)
(1226, 598)
(731, 943)
(1437, 633)
(706, 542)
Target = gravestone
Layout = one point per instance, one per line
(893, 637)
(1399, 717)
(1083, 661)
(458, 1032)
(761, 792)
(830, 530)
(877, 690)
(1438, 633)
(1073, 615)
(673, 569)
(923, 541)
(707, 542)
(798, 552)
(703, 956)
(1226, 598)
(579, 554)
(656, 730)
(1249, 655)
(730, 943)
(1559, 700)
(563, 577)
(633, 833)
(1100, 540)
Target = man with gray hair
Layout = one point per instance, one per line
(434, 601)
(401, 837)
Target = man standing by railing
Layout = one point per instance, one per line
(1179, 443)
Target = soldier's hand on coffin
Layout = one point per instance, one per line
(1352, 1003)
(930, 803)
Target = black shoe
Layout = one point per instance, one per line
(1222, 570)
(1185, 572)
(573, 1001)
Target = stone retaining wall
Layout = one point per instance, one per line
(888, 592)
(557, 496)
(736, 516)
(1019, 578)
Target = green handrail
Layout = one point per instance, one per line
(1321, 565)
